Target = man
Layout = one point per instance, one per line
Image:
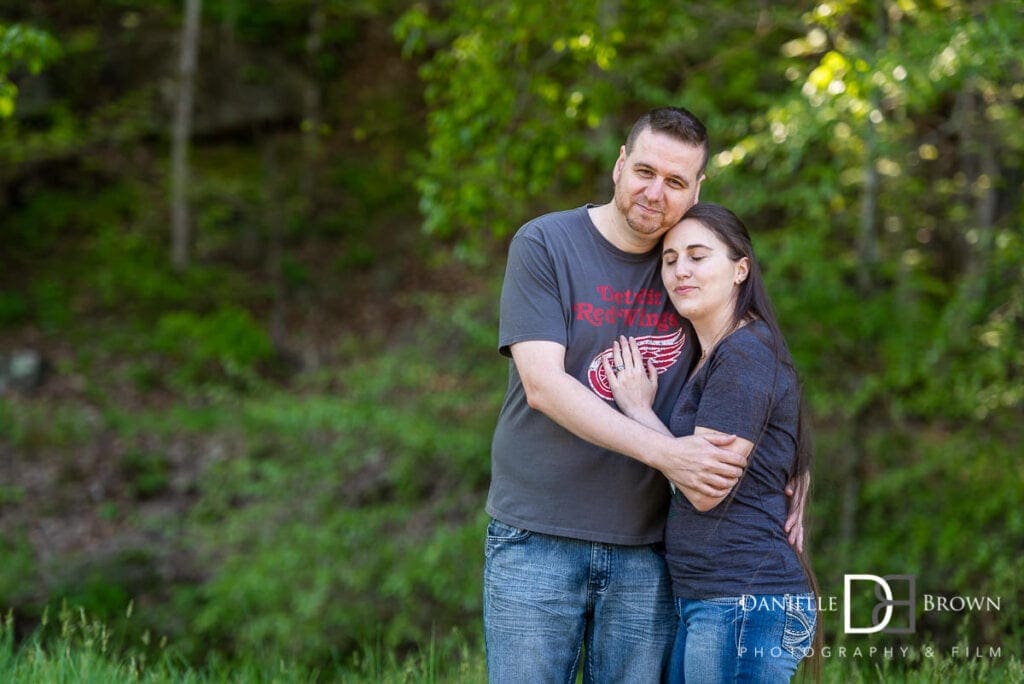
(577, 497)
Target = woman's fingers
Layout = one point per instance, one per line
(608, 370)
(620, 351)
(617, 356)
(631, 356)
(634, 350)
(626, 357)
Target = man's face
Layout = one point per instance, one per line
(657, 182)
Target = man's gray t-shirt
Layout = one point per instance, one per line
(565, 283)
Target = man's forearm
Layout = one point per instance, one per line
(691, 462)
(695, 464)
(567, 402)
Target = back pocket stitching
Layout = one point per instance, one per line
(797, 638)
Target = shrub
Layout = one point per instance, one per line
(224, 346)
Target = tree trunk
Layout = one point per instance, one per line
(608, 17)
(856, 456)
(180, 219)
(275, 240)
(868, 251)
(868, 234)
(312, 114)
(983, 183)
(977, 158)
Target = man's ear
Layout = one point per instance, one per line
(619, 163)
(696, 194)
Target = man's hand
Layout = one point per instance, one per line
(702, 467)
(796, 492)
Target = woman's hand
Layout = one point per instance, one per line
(633, 383)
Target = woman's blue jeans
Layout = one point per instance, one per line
(545, 597)
(750, 638)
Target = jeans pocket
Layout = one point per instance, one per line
(798, 633)
(729, 601)
(499, 533)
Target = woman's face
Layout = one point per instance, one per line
(701, 279)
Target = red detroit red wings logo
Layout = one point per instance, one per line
(663, 349)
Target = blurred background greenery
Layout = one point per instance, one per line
(249, 267)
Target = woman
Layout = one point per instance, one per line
(745, 599)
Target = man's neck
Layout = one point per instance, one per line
(613, 227)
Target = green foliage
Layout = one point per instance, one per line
(121, 264)
(964, 486)
(379, 547)
(14, 308)
(19, 566)
(22, 47)
(874, 149)
(225, 345)
(81, 649)
(148, 473)
(514, 101)
(96, 593)
(940, 667)
(527, 107)
(30, 427)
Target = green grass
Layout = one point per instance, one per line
(80, 650)
(945, 668)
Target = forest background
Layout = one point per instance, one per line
(250, 253)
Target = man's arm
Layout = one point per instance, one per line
(697, 464)
(740, 446)
(796, 492)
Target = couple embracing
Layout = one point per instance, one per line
(650, 464)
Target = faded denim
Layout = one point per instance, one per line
(750, 638)
(545, 597)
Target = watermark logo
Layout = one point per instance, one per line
(891, 592)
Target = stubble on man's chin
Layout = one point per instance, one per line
(646, 228)
(639, 227)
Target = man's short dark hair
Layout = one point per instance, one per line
(677, 122)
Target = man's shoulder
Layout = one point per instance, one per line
(555, 223)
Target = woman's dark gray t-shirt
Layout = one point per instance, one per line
(739, 547)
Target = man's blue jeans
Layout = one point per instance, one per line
(750, 638)
(545, 597)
